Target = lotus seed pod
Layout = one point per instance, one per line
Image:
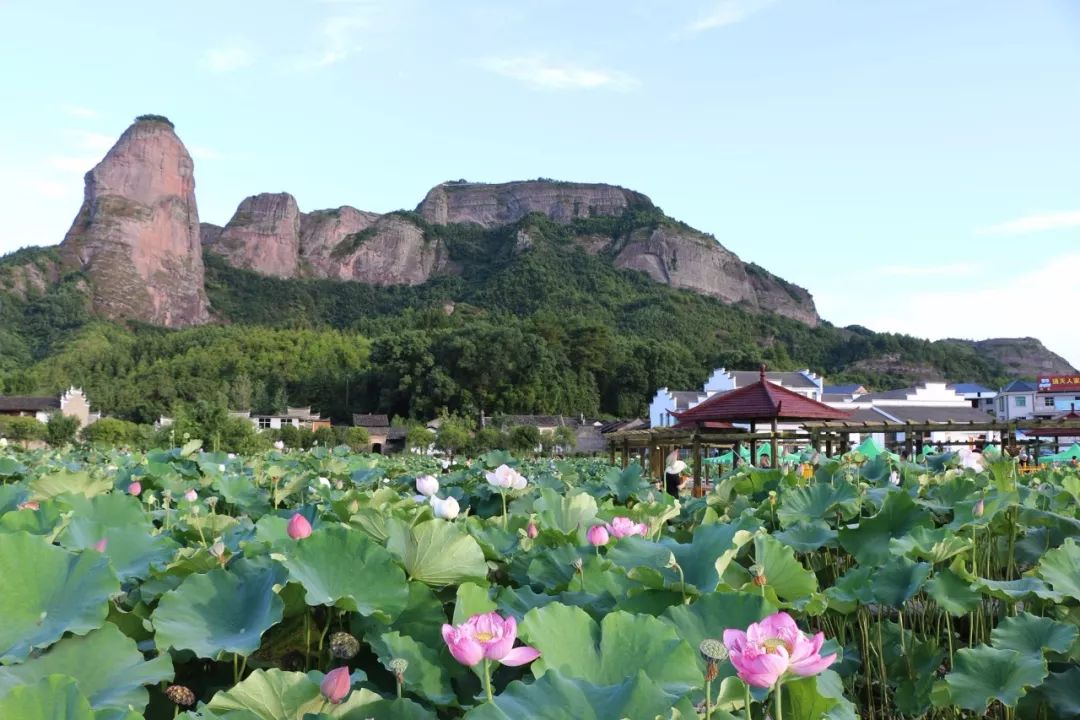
(398, 666)
(180, 695)
(344, 646)
(712, 649)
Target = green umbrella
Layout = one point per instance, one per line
(1064, 456)
(868, 448)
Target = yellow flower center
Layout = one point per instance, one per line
(772, 644)
(484, 636)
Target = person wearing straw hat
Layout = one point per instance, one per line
(673, 475)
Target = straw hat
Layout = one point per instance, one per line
(675, 468)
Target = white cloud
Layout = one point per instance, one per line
(544, 74)
(228, 59)
(53, 189)
(94, 141)
(80, 112)
(951, 270)
(1013, 303)
(1035, 223)
(338, 36)
(727, 12)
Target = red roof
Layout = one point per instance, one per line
(1057, 432)
(763, 401)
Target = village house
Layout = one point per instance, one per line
(1015, 401)
(384, 439)
(71, 402)
(301, 418)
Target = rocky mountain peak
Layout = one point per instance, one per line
(136, 235)
(491, 205)
(263, 235)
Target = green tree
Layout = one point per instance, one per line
(490, 438)
(111, 431)
(524, 438)
(324, 436)
(61, 429)
(356, 439)
(418, 438)
(454, 435)
(566, 438)
(22, 428)
(290, 435)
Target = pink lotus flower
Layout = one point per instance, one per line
(506, 478)
(621, 527)
(773, 648)
(29, 505)
(299, 527)
(531, 530)
(135, 488)
(101, 544)
(487, 637)
(191, 495)
(336, 685)
(597, 536)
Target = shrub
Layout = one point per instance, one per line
(524, 438)
(22, 428)
(61, 429)
(110, 431)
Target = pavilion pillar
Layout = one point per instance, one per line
(699, 486)
(774, 461)
(828, 445)
(626, 454)
(611, 448)
(753, 445)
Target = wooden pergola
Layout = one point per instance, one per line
(824, 435)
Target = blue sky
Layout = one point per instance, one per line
(914, 163)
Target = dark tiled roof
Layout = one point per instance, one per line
(616, 425)
(850, 389)
(370, 421)
(787, 379)
(965, 388)
(835, 397)
(1019, 386)
(537, 420)
(932, 413)
(760, 401)
(397, 433)
(27, 403)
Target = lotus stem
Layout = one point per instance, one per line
(778, 701)
(748, 700)
(487, 680)
(503, 493)
(307, 638)
(682, 582)
(708, 699)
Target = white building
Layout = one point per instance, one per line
(931, 402)
(1056, 395)
(666, 402)
(1015, 401)
(980, 397)
(71, 402)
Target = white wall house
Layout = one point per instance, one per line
(931, 402)
(1015, 401)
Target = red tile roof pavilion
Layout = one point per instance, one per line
(761, 402)
(1057, 432)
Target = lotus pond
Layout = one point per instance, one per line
(303, 586)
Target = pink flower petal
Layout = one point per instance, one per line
(520, 656)
(813, 665)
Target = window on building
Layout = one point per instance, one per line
(264, 423)
(1048, 402)
(1021, 402)
(1001, 404)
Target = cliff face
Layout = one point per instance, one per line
(1022, 357)
(263, 235)
(490, 205)
(324, 230)
(693, 261)
(137, 233)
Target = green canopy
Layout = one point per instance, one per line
(1064, 456)
(927, 450)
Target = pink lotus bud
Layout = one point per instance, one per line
(191, 495)
(532, 531)
(336, 685)
(135, 488)
(29, 505)
(101, 544)
(299, 527)
(598, 535)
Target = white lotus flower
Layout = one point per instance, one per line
(506, 478)
(894, 478)
(447, 509)
(191, 495)
(279, 445)
(427, 485)
(971, 459)
(325, 482)
(221, 467)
